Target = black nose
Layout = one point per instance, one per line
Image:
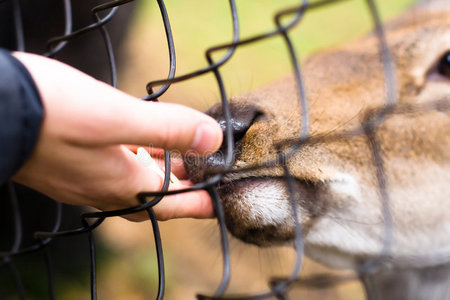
(242, 117)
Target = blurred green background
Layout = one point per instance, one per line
(200, 24)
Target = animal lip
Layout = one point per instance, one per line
(240, 179)
(253, 180)
(258, 208)
(239, 172)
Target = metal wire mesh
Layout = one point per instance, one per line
(279, 287)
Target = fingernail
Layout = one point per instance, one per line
(207, 139)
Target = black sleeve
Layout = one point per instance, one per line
(21, 114)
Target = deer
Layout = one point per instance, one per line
(337, 193)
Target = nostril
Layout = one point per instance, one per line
(243, 116)
(238, 126)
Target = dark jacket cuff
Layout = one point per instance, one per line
(21, 114)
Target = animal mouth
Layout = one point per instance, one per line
(258, 209)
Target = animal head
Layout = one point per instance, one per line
(335, 180)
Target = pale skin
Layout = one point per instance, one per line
(84, 154)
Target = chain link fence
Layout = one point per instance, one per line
(285, 21)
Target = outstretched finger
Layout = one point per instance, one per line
(92, 113)
(160, 125)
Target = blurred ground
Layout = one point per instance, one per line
(192, 248)
(194, 263)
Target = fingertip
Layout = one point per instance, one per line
(202, 207)
(194, 204)
(207, 139)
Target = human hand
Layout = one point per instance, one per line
(80, 157)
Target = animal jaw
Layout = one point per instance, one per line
(336, 187)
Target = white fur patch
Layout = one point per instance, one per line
(345, 184)
(354, 226)
(268, 202)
